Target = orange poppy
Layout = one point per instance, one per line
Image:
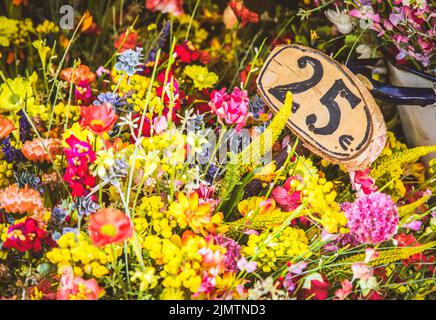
(108, 226)
(98, 118)
(36, 150)
(81, 74)
(6, 127)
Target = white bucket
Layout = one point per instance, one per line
(419, 123)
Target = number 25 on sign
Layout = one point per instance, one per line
(333, 112)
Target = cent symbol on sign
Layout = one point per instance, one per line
(333, 113)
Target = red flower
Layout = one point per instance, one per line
(109, 226)
(406, 240)
(98, 118)
(318, 289)
(374, 295)
(123, 44)
(82, 92)
(77, 175)
(26, 236)
(243, 13)
(187, 53)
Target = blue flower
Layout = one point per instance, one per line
(256, 107)
(59, 213)
(10, 154)
(129, 61)
(109, 97)
(85, 206)
(165, 34)
(25, 127)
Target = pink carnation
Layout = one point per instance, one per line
(232, 108)
(372, 218)
(174, 7)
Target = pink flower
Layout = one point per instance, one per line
(232, 108)
(372, 218)
(175, 7)
(361, 271)
(362, 182)
(286, 197)
(347, 287)
(75, 288)
(370, 254)
(160, 124)
(244, 265)
(297, 268)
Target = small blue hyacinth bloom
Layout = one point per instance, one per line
(109, 97)
(129, 61)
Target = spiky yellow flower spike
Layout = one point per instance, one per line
(408, 209)
(263, 143)
(254, 152)
(400, 158)
(387, 256)
(260, 222)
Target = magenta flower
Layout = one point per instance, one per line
(372, 218)
(232, 108)
(286, 197)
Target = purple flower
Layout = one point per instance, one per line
(414, 225)
(288, 284)
(297, 268)
(244, 265)
(233, 252)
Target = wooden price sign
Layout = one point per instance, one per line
(333, 112)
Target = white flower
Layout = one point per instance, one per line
(364, 51)
(341, 20)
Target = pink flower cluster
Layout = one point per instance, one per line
(372, 218)
(232, 108)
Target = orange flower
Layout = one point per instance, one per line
(98, 118)
(6, 127)
(16, 200)
(127, 40)
(81, 74)
(109, 226)
(36, 150)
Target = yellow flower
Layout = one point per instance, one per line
(146, 278)
(272, 252)
(6, 173)
(172, 294)
(77, 251)
(42, 50)
(8, 30)
(17, 93)
(47, 27)
(201, 76)
(188, 212)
